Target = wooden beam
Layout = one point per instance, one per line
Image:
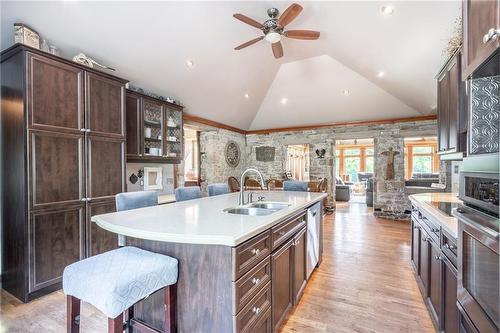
(200, 120)
(353, 123)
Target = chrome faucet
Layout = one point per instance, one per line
(242, 185)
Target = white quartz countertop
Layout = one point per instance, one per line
(203, 221)
(422, 201)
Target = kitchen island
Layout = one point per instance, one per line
(237, 273)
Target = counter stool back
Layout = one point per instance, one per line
(116, 280)
(217, 189)
(294, 185)
(134, 200)
(187, 193)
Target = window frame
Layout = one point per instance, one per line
(362, 155)
(409, 156)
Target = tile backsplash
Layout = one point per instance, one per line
(167, 177)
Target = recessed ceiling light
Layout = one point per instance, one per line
(345, 92)
(380, 74)
(284, 100)
(189, 63)
(387, 10)
(247, 96)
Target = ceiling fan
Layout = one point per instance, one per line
(273, 28)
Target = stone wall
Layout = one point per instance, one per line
(213, 166)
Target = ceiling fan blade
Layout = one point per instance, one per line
(302, 34)
(277, 50)
(250, 42)
(289, 14)
(248, 20)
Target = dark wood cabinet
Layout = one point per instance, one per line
(299, 265)
(450, 312)
(478, 18)
(282, 262)
(264, 324)
(424, 259)
(415, 246)
(154, 129)
(434, 287)
(63, 137)
(98, 239)
(56, 95)
(452, 108)
(56, 240)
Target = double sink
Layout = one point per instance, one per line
(259, 208)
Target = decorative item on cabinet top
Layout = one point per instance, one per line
(151, 94)
(26, 35)
(87, 61)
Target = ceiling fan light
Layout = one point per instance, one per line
(273, 37)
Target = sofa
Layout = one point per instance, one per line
(369, 192)
(342, 190)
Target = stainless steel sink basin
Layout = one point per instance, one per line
(252, 211)
(259, 208)
(269, 205)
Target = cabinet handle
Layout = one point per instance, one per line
(255, 280)
(425, 239)
(438, 257)
(87, 130)
(255, 251)
(83, 199)
(83, 129)
(88, 199)
(256, 310)
(435, 230)
(281, 233)
(416, 227)
(140, 154)
(450, 247)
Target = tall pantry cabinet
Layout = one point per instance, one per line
(63, 160)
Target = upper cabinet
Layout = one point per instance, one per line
(452, 109)
(154, 129)
(481, 32)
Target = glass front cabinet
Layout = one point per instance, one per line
(154, 129)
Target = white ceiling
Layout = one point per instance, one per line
(149, 43)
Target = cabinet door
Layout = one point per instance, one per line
(55, 95)
(424, 261)
(299, 266)
(106, 167)
(264, 324)
(56, 240)
(450, 312)
(133, 124)
(105, 110)
(282, 279)
(434, 293)
(56, 168)
(453, 106)
(442, 112)
(174, 133)
(479, 17)
(98, 239)
(153, 117)
(415, 246)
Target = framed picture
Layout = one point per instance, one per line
(153, 178)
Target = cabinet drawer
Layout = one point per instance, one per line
(248, 254)
(432, 229)
(449, 247)
(249, 284)
(286, 229)
(254, 310)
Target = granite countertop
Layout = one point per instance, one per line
(203, 221)
(422, 201)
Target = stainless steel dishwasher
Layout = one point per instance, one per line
(313, 232)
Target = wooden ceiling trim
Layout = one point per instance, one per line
(204, 121)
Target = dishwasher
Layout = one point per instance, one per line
(313, 232)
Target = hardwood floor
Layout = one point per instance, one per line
(365, 284)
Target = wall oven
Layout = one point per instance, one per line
(478, 250)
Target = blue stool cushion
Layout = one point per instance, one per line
(187, 193)
(113, 281)
(293, 185)
(133, 200)
(217, 189)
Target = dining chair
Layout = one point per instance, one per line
(273, 184)
(252, 184)
(234, 184)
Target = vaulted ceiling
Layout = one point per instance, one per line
(329, 80)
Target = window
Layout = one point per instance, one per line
(298, 161)
(351, 159)
(191, 152)
(420, 156)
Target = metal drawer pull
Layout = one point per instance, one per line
(282, 233)
(492, 35)
(256, 310)
(83, 199)
(88, 130)
(438, 257)
(255, 280)
(83, 129)
(436, 230)
(416, 227)
(255, 251)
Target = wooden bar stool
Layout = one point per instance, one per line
(114, 281)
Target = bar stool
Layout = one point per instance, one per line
(217, 189)
(114, 281)
(187, 193)
(294, 185)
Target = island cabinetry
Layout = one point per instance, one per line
(434, 257)
(282, 263)
(63, 139)
(250, 253)
(299, 265)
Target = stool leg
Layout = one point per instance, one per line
(72, 314)
(170, 308)
(115, 325)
